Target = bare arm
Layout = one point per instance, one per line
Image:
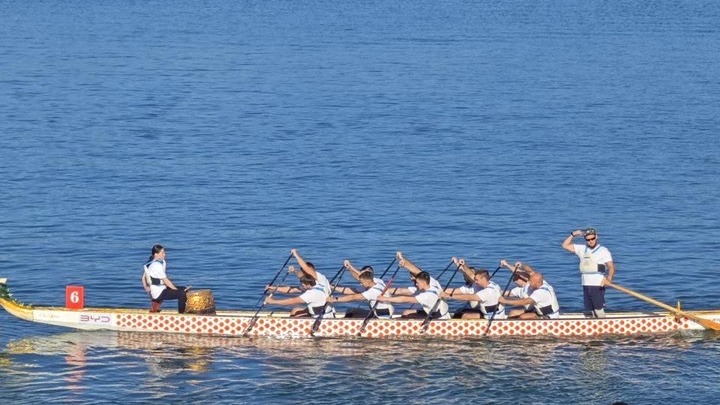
(407, 264)
(303, 264)
(401, 291)
(464, 268)
(568, 242)
(353, 271)
(348, 298)
(516, 301)
(519, 265)
(610, 267)
(462, 297)
(285, 301)
(283, 289)
(346, 290)
(169, 284)
(398, 299)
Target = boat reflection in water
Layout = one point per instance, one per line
(64, 366)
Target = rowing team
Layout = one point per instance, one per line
(532, 298)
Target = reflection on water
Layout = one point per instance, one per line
(60, 366)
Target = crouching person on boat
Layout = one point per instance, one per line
(426, 292)
(487, 297)
(373, 288)
(542, 301)
(312, 296)
(158, 285)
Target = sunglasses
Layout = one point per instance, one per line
(590, 239)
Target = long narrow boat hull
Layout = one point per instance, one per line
(235, 323)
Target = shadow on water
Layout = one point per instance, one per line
(142, 366)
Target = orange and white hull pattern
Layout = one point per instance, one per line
(235, 323)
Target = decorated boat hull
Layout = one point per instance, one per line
(267, 324)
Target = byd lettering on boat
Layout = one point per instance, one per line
(99, 319)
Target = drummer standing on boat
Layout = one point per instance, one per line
(596, 267)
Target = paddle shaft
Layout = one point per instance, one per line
(502, 295)
(253, 320)
(706, 323)
(337, 276)
(428, 318)
(374, 307)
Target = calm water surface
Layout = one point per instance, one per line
(232, 132)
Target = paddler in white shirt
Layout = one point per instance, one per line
(426, 292)
(373, 287)
(541, 300)
(487, 298)
(313, 297)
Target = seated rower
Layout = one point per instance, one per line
(157, 284)
(527, 289)
(541, 299)
(373, 287)
(313, 297)
(470, 287)
(426, 292)
(308, 269)
(487, 298)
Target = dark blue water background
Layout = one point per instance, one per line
(232, 132)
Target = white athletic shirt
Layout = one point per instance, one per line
(323, 282)
(314, 298)
(156, 269)
(428, 299)
(372, 293)
(599, 255)
(544, 297)
(471, 289)
(488, 297)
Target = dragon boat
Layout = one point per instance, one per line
(280, 325)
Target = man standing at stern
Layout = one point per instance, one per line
(596, 267)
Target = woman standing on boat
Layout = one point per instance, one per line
(596, 268)
(158, 285)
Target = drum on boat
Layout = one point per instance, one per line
(200, 302)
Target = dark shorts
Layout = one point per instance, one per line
(421, 314)
(179, 295)
(594, 297)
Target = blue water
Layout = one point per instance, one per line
(232, 132)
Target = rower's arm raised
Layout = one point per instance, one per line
(407, 264)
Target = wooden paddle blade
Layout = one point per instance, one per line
(705, 323)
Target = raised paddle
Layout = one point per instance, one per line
(428, 318)
(502, 295)
(316, 324)
(262, 298)
(374, 307)
(496, 270)
(706, 323)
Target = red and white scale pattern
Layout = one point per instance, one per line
(299, 327)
